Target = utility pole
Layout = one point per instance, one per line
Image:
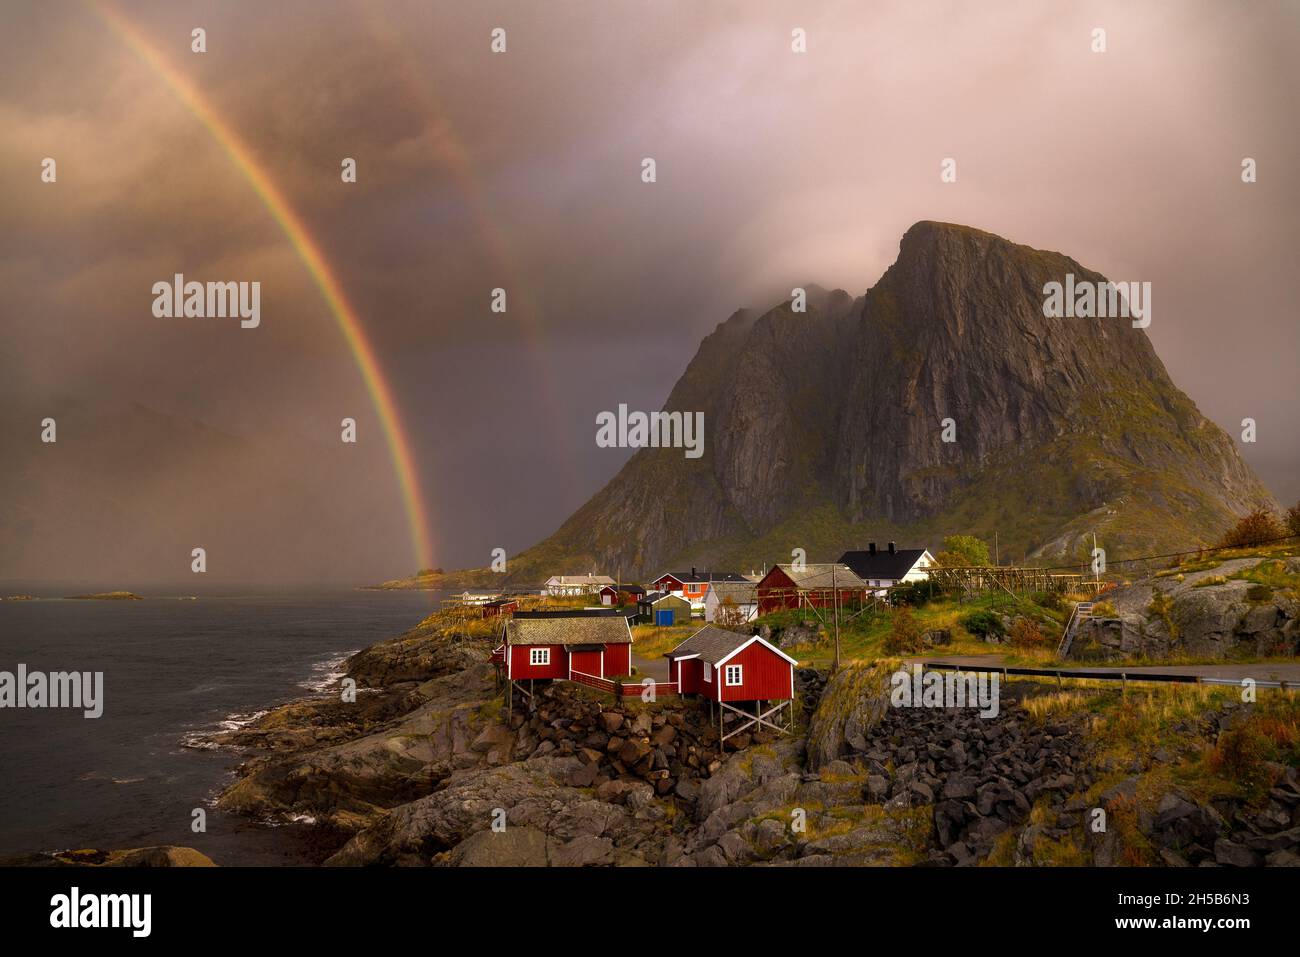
(996, 561)
(836, 600)
(1096, 577)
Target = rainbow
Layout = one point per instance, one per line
(309, 251)
(455, 157)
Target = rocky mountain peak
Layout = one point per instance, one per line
(943, 401)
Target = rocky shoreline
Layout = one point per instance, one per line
(422, 770)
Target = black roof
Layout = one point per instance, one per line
(882, 564)
(654, 597)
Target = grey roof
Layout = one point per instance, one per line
(883, 565)
(602, 630)
(823, 575)
(739, 592)
(711, 644)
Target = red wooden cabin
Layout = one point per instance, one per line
(815, 585)
(723, 665)
(501, 606)
(621, 595)
(556, 645)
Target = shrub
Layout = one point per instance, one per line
(1026, 634)
(1293, 519)
(1104, 609)
(1049, 599)
(984, 624)
(905, 635)
(914, 594)
(1260, 525)
(1241, 755)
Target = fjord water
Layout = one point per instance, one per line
(172, 668)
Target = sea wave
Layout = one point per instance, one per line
(201, 739)
(326, 673)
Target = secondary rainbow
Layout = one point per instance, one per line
(295, 230)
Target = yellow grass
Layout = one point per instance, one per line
(651, 641)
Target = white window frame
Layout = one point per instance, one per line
(708, 672)
(539, 657)
(740, 675)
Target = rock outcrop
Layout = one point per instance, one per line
(1202, 614)
(162, 855)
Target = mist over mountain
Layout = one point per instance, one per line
(826, 428)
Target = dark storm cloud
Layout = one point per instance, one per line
(522, 170)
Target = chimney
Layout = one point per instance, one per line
(871, 548)
(891, 548)
(693, 575)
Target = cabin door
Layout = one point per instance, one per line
(587, 661)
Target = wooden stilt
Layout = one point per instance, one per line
(757, 720)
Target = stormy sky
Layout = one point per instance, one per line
(522, 170)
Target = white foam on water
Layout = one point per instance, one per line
(326, 673)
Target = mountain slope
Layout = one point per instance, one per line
(825, 429)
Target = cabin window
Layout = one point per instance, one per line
(539, 656)
(708, 671)
(734, 673)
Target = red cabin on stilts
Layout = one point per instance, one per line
(729, 668)
(585, 646)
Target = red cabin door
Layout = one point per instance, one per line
(588, 662)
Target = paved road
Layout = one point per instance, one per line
(656, 668)
(1272, 671)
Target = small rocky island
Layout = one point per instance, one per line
(108, 596)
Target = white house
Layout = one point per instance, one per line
(739, 598)
(568, 585)
(884, 568)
